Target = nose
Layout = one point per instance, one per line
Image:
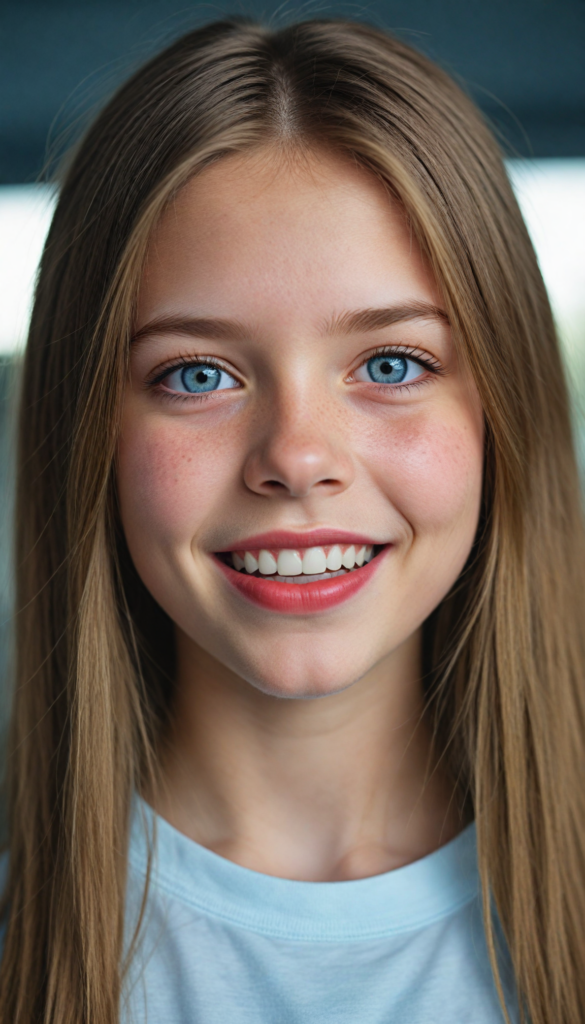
(299, 456)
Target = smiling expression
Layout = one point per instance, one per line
(295, 413)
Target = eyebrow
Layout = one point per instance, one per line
(376, 319)
(195, 327)
(349, 322)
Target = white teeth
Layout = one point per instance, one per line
(334, 558)
(348, 560)
(308, 562)
(266, 563)
(289, 563)
(250, 562)
(314, 561)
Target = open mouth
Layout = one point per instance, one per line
(268, 571)
(300, 565)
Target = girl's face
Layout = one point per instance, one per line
(295, 411)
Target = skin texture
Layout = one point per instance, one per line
(283, 246)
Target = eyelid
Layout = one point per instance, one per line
(417, 355)
(159, 373)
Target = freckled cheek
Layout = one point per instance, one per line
(170, 477)
(432, 473)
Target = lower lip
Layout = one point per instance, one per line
(301, 598)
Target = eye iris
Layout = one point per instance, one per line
(200, 378)
(387, 369)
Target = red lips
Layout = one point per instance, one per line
(278, 539)
(306, 598)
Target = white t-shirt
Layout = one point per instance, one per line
(225, 945)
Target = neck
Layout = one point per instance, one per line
(334, 788)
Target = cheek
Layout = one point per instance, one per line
(431, 468)
(169, 477)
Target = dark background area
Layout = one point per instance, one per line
(522, 60)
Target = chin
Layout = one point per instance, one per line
(302, 690)
(306, 680)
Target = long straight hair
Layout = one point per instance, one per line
(505, 650)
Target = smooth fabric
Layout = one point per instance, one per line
(225, 945)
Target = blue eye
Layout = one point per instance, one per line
(199, 378)
(389, 369)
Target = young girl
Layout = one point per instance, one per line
(298, 731)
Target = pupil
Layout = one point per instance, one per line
(386, 367)
(201, 377)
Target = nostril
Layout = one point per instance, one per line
(276, 486)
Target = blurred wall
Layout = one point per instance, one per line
(523, 60)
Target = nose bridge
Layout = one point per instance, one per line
(299, 445)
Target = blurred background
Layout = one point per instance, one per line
(523, 61)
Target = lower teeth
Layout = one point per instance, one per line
(298, 579)
(307, 579)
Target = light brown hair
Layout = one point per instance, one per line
(505, 651)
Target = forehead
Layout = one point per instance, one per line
(264, 235)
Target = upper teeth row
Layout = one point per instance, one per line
(310, 561)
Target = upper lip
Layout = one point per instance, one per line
(279, 539)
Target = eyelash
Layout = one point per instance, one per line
(153, 382)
